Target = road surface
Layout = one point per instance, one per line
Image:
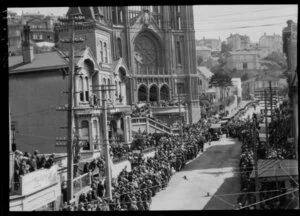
(215, 171)
(212, 172)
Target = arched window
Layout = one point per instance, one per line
(109, 92)
(95, 134)
(105, 53)
(178, 52)
(84, 135)
(117, 90)
(86, 89)
(114, 15)
(101, 51)
(119, 42)
(81, 89)
(120, 87)
(120, 15)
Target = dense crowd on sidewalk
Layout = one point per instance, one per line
(243, 130)
(133, 190)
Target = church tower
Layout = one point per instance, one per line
(157, 47)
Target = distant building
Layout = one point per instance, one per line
(14, 29)
(238, 42)
(271, 43)
(212, 62)
(204, 76)
(213, 44)
(204, 52)
(42, 29)
(243, 60)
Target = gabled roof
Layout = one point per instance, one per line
(205, 71)
(120, 63)
(74, 11)
(41, 61)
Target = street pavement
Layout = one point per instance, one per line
(215, 171)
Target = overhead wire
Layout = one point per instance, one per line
(269, 199)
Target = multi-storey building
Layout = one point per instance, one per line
(243, 60)
(289, 36)
(42, 29)
(204, 53)
(14, 24)
(271, 43)
(37, 85)
(153, 45)
(213, 44)
(238, 42)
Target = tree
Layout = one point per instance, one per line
(199, 60)
(276, 59)
(244, 77)
(222, 80)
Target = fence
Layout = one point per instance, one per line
(81, 182)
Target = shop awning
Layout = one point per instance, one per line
(272, 169)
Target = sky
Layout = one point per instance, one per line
(214, 21)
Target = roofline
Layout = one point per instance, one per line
(16, 71)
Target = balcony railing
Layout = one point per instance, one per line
(81, 182)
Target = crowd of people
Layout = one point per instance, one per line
(133, 190)
(26, 162)
(280, 131)
(244, 131)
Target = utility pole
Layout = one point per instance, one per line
(104, 108)
(71, 81)
(181, 117)
(271, 99)
(266, 121)
(255, 161)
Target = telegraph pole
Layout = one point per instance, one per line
(266, 121)
(70, 127)
(181, 118)
(271, 100)
(255, 161)
(104, 108)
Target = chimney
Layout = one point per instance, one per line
(27, 48)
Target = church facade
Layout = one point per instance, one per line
(152, 47)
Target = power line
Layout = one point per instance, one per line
(247, 19)
(269, 199)
(233, 14)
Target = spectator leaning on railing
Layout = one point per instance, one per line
(26, 163)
